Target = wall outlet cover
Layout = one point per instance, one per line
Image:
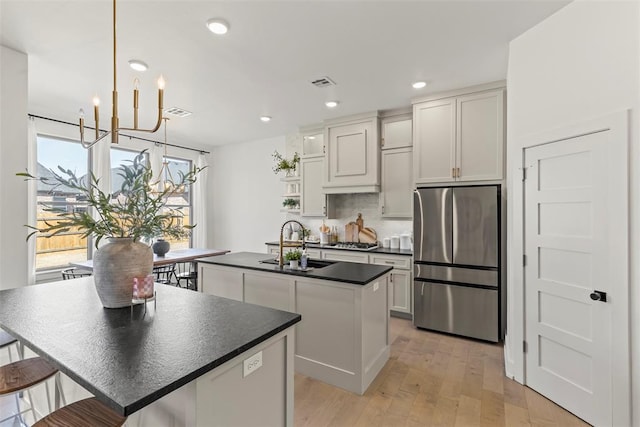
(252, 364)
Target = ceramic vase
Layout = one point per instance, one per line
(161, 247)
(115, 265)
(293, 264)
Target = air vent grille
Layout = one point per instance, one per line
(178, 112)
(323, 82)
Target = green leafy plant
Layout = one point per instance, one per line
(290, 203)
(283, 164)
(136, 210)
(294, 255)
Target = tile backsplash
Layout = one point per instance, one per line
(347, 207)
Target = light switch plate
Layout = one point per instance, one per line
(252, 364)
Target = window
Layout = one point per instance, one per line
(180, 200)
(66, 247)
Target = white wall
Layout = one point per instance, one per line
(581, 63)
(246, 196)
(13, 146)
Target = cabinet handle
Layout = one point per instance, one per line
(453, 172)
(324, 210)
(458, 173)
(323, 151)
(391, 278)
(382, 142)
(390, 262)
(383, 210)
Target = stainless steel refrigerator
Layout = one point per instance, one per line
(457, 260)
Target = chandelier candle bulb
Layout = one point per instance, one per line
(96, 114)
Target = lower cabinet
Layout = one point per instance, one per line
(222, 282)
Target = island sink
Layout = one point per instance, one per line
(315, 263)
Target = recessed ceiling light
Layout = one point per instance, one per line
(218, 26)
(419, 85)
(331, 104)
(265, 118)
(138, 65)
(311, 137)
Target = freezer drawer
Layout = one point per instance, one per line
(460, 310)
(473, 276)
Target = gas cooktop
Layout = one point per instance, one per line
(356, 245)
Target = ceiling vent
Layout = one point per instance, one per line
(178, 112)
(323, 82)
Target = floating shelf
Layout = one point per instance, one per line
(290, 179)
(291, 195)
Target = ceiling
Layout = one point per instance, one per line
(373, 50)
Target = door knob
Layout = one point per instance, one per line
(598, 296)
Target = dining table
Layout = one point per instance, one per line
(171, 257)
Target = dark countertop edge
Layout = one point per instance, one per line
(380, 250)
(136, 406)
(304, 274)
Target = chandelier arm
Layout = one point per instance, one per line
(158, 123)
(86, 144)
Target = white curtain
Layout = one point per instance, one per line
(32, 194)
(101, 165)
(199, 197)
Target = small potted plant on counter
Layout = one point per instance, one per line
(286, 165)
(293, 257)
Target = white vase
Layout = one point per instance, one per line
(293, 264)
(114, 267)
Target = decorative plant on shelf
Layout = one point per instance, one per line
(136, 211)
(290, 203)
(293, 255)
(282, 164)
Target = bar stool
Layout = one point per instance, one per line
(21, 376)
(7, 341)
(86, 412)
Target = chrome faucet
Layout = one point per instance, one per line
(281, 258)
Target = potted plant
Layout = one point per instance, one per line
(134, 213)
(293, 257)
(290, 203)
(286, 165)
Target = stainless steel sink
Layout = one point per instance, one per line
(315, 263)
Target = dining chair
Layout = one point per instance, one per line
(164, 273)
(74, 273)
(187, 274)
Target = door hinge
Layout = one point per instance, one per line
(382, 142)
(524, 260)
(383, 210)
(525, 348)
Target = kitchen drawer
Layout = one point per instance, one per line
(314, 253)
(348, 256)
(400, 262)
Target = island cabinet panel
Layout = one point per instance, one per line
(230, 398)
(328, 324)
(221, 281)
(375, 329)
(269, 290)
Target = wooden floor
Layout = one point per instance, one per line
(431, 379)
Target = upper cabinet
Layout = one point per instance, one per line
(459, 138)
(396, 185)
(352, 155)
(396, 133)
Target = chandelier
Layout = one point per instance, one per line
(115, 121)
(165, 181)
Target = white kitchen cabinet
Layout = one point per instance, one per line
(396, 189)
(352, 156)
(396, 133)
(313, 200)
(459, 138)
(348, 256)
(400, 281)
(220, 281)
(269, 291)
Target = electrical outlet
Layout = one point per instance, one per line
(376, 286)
(252, 364)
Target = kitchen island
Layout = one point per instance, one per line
(182, 362)
(343, 338)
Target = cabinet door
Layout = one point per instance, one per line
(221, 282)
(400, 291)
(353, 156)
(313, 201)
(434, 137)
(480, 136)
(396, 189)
(396, 134)
(269, 291)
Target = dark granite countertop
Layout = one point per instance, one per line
(127, 359)
(345, 272)
(380, 250)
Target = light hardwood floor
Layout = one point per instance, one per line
(431, 379)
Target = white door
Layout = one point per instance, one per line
(573, 244)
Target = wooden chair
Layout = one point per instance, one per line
(164, 273)
(87, 412)
(20, 376)
(74, 273)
